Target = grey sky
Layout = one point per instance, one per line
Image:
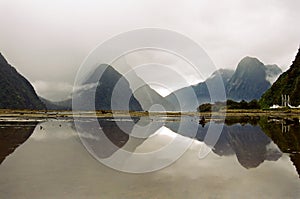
(47, 40)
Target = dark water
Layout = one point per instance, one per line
(253, 158)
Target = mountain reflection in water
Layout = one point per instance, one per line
(12, 135)
(252, 144)
(249, 140)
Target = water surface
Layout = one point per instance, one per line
(252, 159)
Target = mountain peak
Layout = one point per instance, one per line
(249, 67)
(251, 79)
(250, 62)
(248, 59)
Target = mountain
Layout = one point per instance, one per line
(99, 92)
(287, 84)
(187, 95)
(16, 91)
(140, 99)
(144, 94)
(251, 79)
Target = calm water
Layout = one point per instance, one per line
(253, 158)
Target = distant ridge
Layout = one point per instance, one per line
(200, 90)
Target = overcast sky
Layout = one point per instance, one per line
(48, 40)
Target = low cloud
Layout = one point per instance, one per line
(54, 91)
